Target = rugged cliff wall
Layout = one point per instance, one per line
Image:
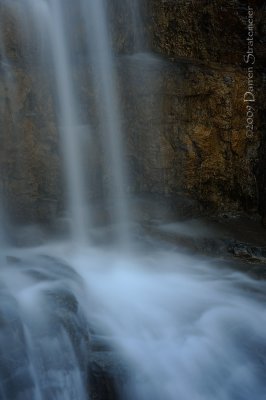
(184, 115)
(207, 150)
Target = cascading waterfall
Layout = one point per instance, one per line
(40, 329)
(68, 120)
(49, 23)
(101, 59)
(180, 327)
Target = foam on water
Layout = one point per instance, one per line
(185, 328)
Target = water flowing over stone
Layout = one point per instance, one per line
(177, 326)
(39, 333)
(127, 319)
(50, 26)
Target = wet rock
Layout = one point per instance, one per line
(107, 376)
(16, 377)
(241, 237)
(160, 207)
(248, 252)
(63, 299)
(44, 268)
(64, 316)
(261, 169)
(99, 344)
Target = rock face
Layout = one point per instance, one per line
(30, 167)
(184, 115)
(194, 141)
(204, 113)
(215, 31)
(262, 177)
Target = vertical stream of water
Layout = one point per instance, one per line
(182, 328)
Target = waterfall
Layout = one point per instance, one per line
(52, 22)
(49, 21)
(40, 329)
(149, 324)
(101, 59)
(69, 123)
(180, 327)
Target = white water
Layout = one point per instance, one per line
(39, 359)
(185, 329)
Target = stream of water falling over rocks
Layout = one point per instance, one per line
(135, 320)
(179, 327)
(53, 26)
